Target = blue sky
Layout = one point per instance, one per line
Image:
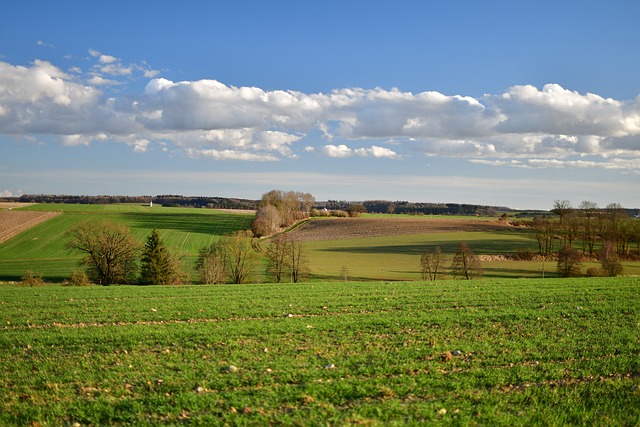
(500, 102)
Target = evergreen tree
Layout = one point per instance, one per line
(157, 267)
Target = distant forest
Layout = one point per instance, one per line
(419, 208)
(372, 206)
(164, 200)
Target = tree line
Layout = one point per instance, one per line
(419, 208)
(164, 200)
(112, 255)
(608, 234)
(588, 228)
(372, 206)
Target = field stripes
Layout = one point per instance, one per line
(42, 246)
(14, 222)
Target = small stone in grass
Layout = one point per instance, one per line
(442, 411)
(330, 366)
(199, 389)
(457, 353)
(232, 368)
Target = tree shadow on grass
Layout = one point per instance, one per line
(485, 247)
(216, 225)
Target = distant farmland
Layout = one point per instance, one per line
(42, 247)
(377, 247)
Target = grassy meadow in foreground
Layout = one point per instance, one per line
(507, 352)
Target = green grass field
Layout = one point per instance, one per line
(42, 248)
(398, 257)
(489, 352)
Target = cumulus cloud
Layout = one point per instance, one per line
(342, 151)
(337, 151)
(523, 127)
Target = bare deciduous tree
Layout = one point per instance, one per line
(277, 258)
(286, 258)
(298, 265)
(240, 258)
(267, 221)
(430, 263)
(210, 264)
(561, 208)
(291, 207)
(465, 265)
(110, 251)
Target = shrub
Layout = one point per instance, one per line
(32, 279)
(593, 272)
(523, 255)
(569, 262)
(78, 278)
(609, 260)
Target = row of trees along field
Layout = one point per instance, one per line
(589, 228)
(113, 256)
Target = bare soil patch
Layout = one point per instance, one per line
(14, 205)
(352, 228)
(14, 222)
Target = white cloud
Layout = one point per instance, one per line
(44, 44)
(377, 152)
(140, 145)
(336, 151)
(231, 155)
(107, 59)
(628, 165)
(522, 127)
(98, 80)
(342, 151)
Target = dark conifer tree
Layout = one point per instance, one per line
(156, 266)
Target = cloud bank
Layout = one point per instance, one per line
(526, 127)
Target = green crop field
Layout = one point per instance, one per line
(42, 248)
(398, 257)
(490, 352)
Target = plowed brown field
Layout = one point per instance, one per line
(351, 228)
(13, 222)
(14, 205)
